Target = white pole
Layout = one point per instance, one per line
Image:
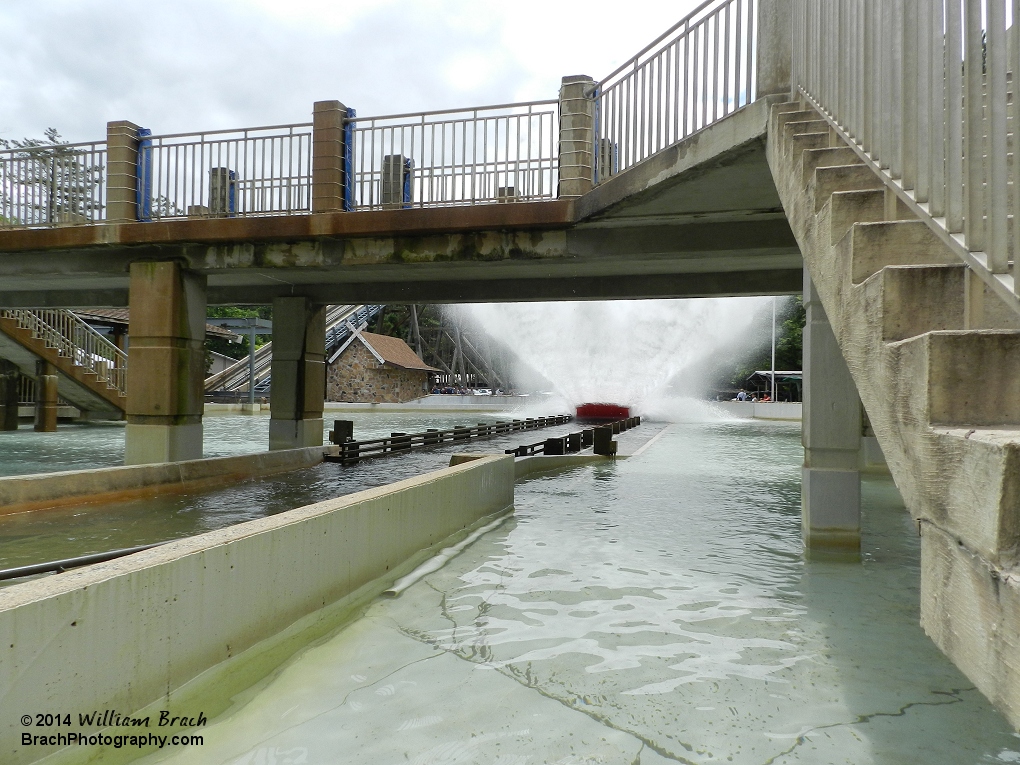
(773, 348)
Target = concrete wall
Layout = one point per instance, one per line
(129, 633)
(771, 411)
(30, 492)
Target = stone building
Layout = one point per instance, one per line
(377, 369)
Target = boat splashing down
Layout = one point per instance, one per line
(594, 413)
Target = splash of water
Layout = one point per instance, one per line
(632, 352)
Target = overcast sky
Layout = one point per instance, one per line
(184, 65)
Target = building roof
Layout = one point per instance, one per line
(120, 317)
(395, 352)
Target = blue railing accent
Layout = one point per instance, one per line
(143, 171)
(348, 203)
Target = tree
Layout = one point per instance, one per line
(45, 181)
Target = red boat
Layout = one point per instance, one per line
(602, 412)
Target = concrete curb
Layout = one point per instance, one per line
(45, 490)
(130, 634)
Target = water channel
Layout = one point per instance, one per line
(54, 534)
(652, 610)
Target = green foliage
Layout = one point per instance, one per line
(789, 350)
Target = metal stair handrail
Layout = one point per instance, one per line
(695, 74)
(73, 339)
(915, 89)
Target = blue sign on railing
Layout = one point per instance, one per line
(348, 203)
(408, 168)
(143, 186)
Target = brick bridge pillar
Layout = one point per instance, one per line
(9, 379)
(299, 373)
(121, 171)
(166, 364)
(45, 397)
(577, 136)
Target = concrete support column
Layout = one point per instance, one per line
(577, 135)
(166, 364)
(831, 491)
(45, 397)
(775, 45)
(121, 171)
(9, 379)
(299, 373)
(328, 156)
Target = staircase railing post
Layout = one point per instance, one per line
(774, 51)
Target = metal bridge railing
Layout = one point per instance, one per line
(52, 185)
(74, 339)
(921, 90)
(226, 173)
(486, 154)
(696, 73)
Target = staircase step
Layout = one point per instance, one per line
(802, 142)
(785, 118)
(790, 129)
(829, 180)
(920, 299)
(974, 378)
(895, 243)
(787, 107)
(850, 207)
(828, 157)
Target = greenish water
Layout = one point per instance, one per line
(651, 610)
(55, 534)
(101, 444)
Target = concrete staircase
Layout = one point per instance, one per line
(936, 359)
(91, 370)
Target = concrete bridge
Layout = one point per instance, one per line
(758, 147)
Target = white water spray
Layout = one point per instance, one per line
(640, 353)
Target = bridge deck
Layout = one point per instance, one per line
(700, 218)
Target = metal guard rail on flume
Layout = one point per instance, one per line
(350, 452)
(598, 436)
(916, 87)
(72, 338)
(59, 566)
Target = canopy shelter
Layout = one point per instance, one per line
(789, 384)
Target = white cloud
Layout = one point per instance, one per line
(186, 65)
